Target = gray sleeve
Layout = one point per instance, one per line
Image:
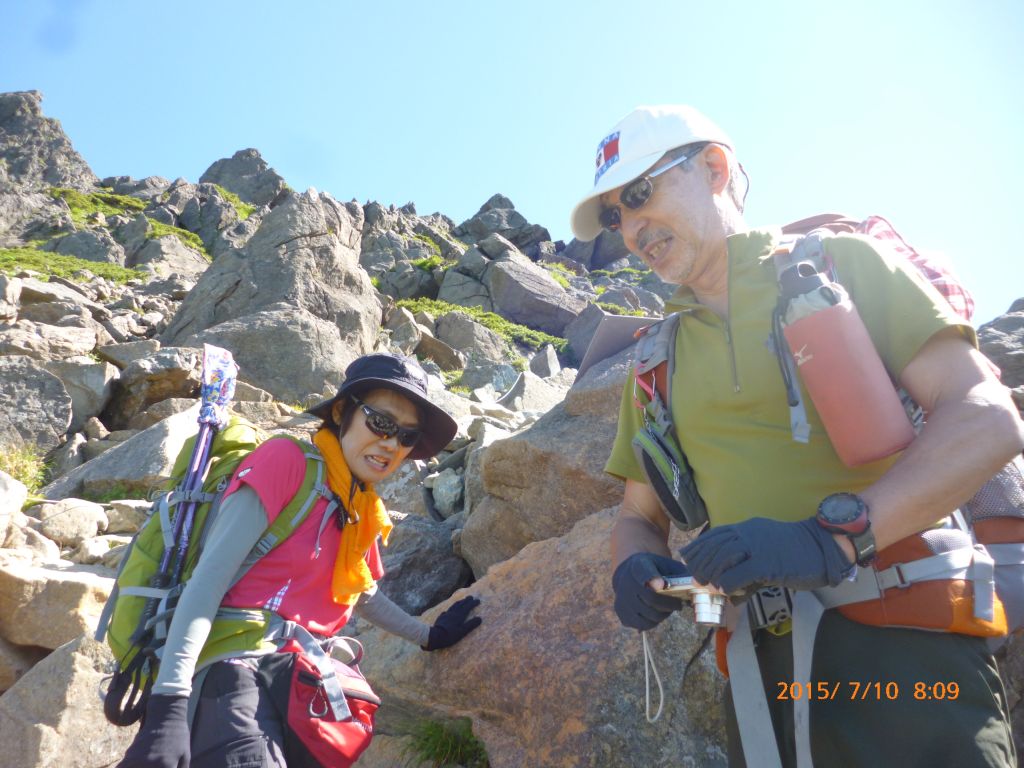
(239, 525)
(377, 608)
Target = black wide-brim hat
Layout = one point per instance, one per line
(405, 376)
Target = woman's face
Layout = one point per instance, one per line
(372, 458)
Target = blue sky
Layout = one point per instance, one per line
(905, 108)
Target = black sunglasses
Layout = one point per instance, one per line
(383, 425)
(635, 194)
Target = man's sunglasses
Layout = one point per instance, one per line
(383, 425)
(635, 194)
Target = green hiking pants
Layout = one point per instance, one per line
(886, 697)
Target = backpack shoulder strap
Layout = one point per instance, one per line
(655, 361)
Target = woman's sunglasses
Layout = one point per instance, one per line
(635, 194)
(383, 425)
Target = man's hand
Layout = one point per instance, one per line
(749, 555)
(636, 604)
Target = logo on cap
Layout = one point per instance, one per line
(607, 154)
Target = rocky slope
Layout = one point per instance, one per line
(108, 290)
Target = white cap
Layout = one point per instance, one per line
(635, 144)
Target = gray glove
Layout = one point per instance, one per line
(746, 556)
(636, 604)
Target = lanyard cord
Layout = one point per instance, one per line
(648, 669)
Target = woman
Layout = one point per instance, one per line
(317, 578)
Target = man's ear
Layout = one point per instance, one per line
(717, 165)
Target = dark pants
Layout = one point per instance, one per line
(236, 725)
(911, 718)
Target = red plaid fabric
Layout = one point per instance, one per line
(939, 276)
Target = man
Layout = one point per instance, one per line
(668, 180)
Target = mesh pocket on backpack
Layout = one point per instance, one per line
(670, 475)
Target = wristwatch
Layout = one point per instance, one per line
(847, 514)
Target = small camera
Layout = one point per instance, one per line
(708, 603)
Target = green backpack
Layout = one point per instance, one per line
(138, 614)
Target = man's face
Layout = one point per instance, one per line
(672, 230)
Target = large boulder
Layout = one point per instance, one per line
(499, 216)
(551, 678)
(528, 294)
(35, 408)
(49, 604)
(304, 255)
(34, 150)
(287, 351)
(134, 468)
(539, 483)
(52, 717)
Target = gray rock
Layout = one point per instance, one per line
(580, 332)
(170, 372)
(405, 281)
(167, 255)
(46, 342)
(247, 174)
(134, 467)
(446, 357)
(303, 255)
(476, 342)
(448, 492)
(545, 362)
(1002, 341)
(34, 151)
(420, 568)
(91, 245)
(465, 291)
(498, 216)
(53, 717)
(124, 353)
(527, 294)
(10, 295)
(531, 393)
(35, 409)
(89, 384)
(208, 214)
(71, 521)
(307, 350)
(68, 456)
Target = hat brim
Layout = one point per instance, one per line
(438, 428)
(584, 219)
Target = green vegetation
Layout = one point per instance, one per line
(243, 209)
(615, 309)
(190, 239)
(429, 263)
(511, 332)
(375, 281)
(446, 744)
(626, 273)
(432, 244)
(13, 260)
(599, 289)
(560, 272)
(25, 464)
(83, 206)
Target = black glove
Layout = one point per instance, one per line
(637, 605)
(163, 739)
(452, 625)
(752, 554)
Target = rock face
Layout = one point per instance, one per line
(34, 150)
(247, 174)
(551, 678)
(52, 717)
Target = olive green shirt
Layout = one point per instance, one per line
(728, 398)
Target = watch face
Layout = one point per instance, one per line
(844, 510)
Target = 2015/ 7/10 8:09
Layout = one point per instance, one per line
(871, 691)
